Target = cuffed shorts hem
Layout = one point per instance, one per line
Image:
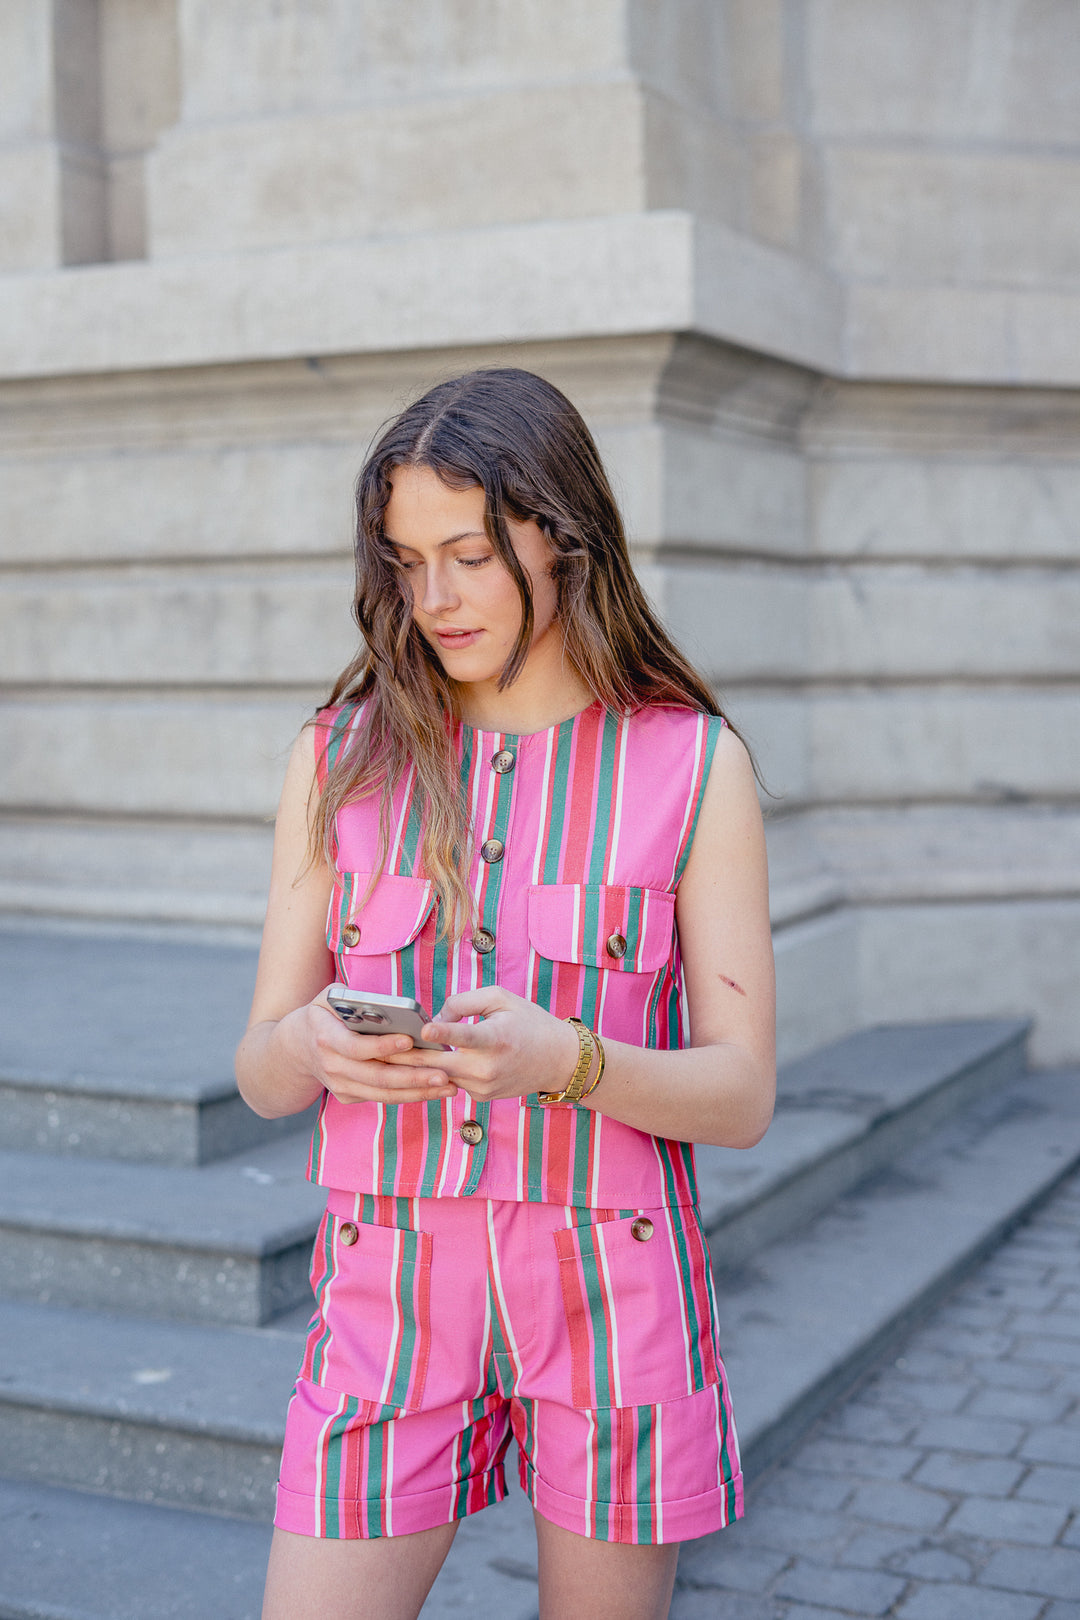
(639, 1524)
(361, 1520)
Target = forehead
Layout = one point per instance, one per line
(424, 511)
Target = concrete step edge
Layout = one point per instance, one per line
(998, 1197)
(811, 1157)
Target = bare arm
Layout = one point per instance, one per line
(722, 1088)
(295, 1047)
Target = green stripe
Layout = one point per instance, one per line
(606, 1419)
(410, 1244)
(594, 1293)
(646, 1417)
(335, 1445)
(435, 1134)
(715, 726)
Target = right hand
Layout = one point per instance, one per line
(362, 1068)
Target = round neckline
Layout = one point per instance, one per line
(519, 737)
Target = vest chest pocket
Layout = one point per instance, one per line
(390, 918)
(600, 925)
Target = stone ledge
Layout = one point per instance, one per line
(553, 280)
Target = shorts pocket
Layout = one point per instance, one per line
(638, 1303)
(371, 1333)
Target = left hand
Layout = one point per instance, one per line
(518, 1049)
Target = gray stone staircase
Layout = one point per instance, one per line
(153, 1252)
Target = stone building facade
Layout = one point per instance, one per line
(810, 267)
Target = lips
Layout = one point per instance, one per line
(451, 639)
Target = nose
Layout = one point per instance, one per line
(437, 594)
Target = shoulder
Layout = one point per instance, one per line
(334, 732)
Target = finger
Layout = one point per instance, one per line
(472, 1004)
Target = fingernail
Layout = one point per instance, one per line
(402, 1045)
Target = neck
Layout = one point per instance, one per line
(518, 709)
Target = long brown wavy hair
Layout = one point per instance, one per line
(519, 439)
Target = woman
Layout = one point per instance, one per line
(521, 806)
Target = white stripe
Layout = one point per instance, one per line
(388, 1483)
(597, 1127)
(620, 774)
(497, 1280)
(602, 1250)
(670, 1224)
(396, 1332)
(522, 1114)
(393, 854)
(658, 1483)
(319, 1477)
(376, 1138)
(549, 755)
(698, 745)
(590, 1481)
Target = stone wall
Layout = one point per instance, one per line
(810, 269)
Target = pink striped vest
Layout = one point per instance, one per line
(581, 834)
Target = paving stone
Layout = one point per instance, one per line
(1020, 1296)
(970, 1434)
(1060, 1444)
(972, 1315)
(1062, 1611)
(988, 1476)
(899, 1504)
(881, 1549)
(1061, 1352)
(862, 1592)
(1052, 1571)
(1037, 1522)
(713, 1605)
(858, 1459)
(1046, 1484)
(919, 1362)
(968, 1341)
(1071, 1538)
(1008, 1374)
(919, 1395)
(792, 1530)
(857, 1421)
(1070, 1301)
(715, 1561)
(1028, 1406)
(1054, 1324)
(965, 1603)
(933, 1564)
(796, 1488)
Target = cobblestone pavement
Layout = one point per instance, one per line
(947, 1486)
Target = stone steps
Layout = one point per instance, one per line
(228, 1242)
(844, 1112)
(154, 1241)
(88, 1403)
(116, 1047)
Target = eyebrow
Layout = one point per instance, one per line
(452, 540)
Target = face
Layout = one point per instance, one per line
(465, 602)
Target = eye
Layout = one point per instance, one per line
(474, 562)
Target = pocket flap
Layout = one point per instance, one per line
(388, 920)
(602, 925)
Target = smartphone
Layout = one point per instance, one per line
(381, 1015)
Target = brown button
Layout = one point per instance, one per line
(642, 1229)
(471, 1132)
(503, 761)
(616, 946)
(350, 934)
(493, 850)
(348, 1233)
(483, 941)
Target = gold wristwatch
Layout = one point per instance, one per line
(573, 1091)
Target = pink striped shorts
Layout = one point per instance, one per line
(444, 1326)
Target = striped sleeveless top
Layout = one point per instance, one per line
(581, 834)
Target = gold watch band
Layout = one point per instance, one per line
(576, 1086)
